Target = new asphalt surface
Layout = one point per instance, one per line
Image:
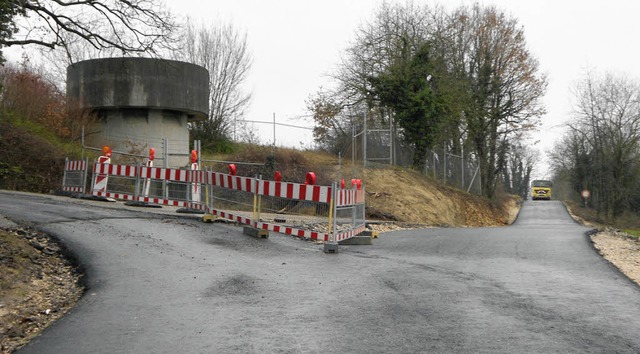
(161, 282)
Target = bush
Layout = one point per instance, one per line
(28, 162)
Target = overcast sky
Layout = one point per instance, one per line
(296, 43)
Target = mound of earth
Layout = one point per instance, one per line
(407, 197)
(38, 285)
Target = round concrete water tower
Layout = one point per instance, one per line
(141, 101)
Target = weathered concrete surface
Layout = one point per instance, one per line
(140, 101)
(115, 83)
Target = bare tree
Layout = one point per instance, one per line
(504, 85)
(521, 161)
(607, 120)
(332, 131)
(222, 50)
(130, 26)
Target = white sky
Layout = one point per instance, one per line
(296, 43)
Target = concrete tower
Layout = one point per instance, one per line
(140, 101)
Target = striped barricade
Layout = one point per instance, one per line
(295, 191)
(122, 181)
(199, 185)
(74, 178)
(323, 213)
(166, 186)
(301, 210)
(348, 213)
(230, 197)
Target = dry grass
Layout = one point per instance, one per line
(393, 194)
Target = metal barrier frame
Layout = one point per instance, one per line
(76, 166)
(199, 198)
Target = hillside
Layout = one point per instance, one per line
(407, 197)
(394, 194)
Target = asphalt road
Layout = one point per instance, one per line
(171, 284)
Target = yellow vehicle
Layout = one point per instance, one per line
(541, 189)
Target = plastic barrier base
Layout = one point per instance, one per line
(257, 233)
(189, 211)
(359, 240)
(331, 247)
(209, 218)
(136, 203)
(370, 233)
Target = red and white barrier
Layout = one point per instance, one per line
(79, 165)
(77, 169)
(166, 174)
(346, 197)
(288, 190)
(147, 181)
(245, 184)
(287, 230)
(348, 202)
(102, 176)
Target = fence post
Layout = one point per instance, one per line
(332, 245)
(64, 173)
(462, 169)
(136, 193)
(353, 207)
(165, 164)
(85, 173)
(256, 213)
(473, 179)
(444, 164)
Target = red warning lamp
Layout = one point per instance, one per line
(194, 156)
(232, 169)
(311, 178)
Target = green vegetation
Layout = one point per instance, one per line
(633, 232)
(461, 79)
(36, 133)
(628, 222)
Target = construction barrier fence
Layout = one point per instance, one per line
(323, 213)
(74, 178)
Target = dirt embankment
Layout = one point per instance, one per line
(38, 285)
(408, 198)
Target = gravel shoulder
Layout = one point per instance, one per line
(621, 249)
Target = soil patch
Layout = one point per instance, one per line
(38, 285)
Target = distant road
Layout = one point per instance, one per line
(166, 283)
